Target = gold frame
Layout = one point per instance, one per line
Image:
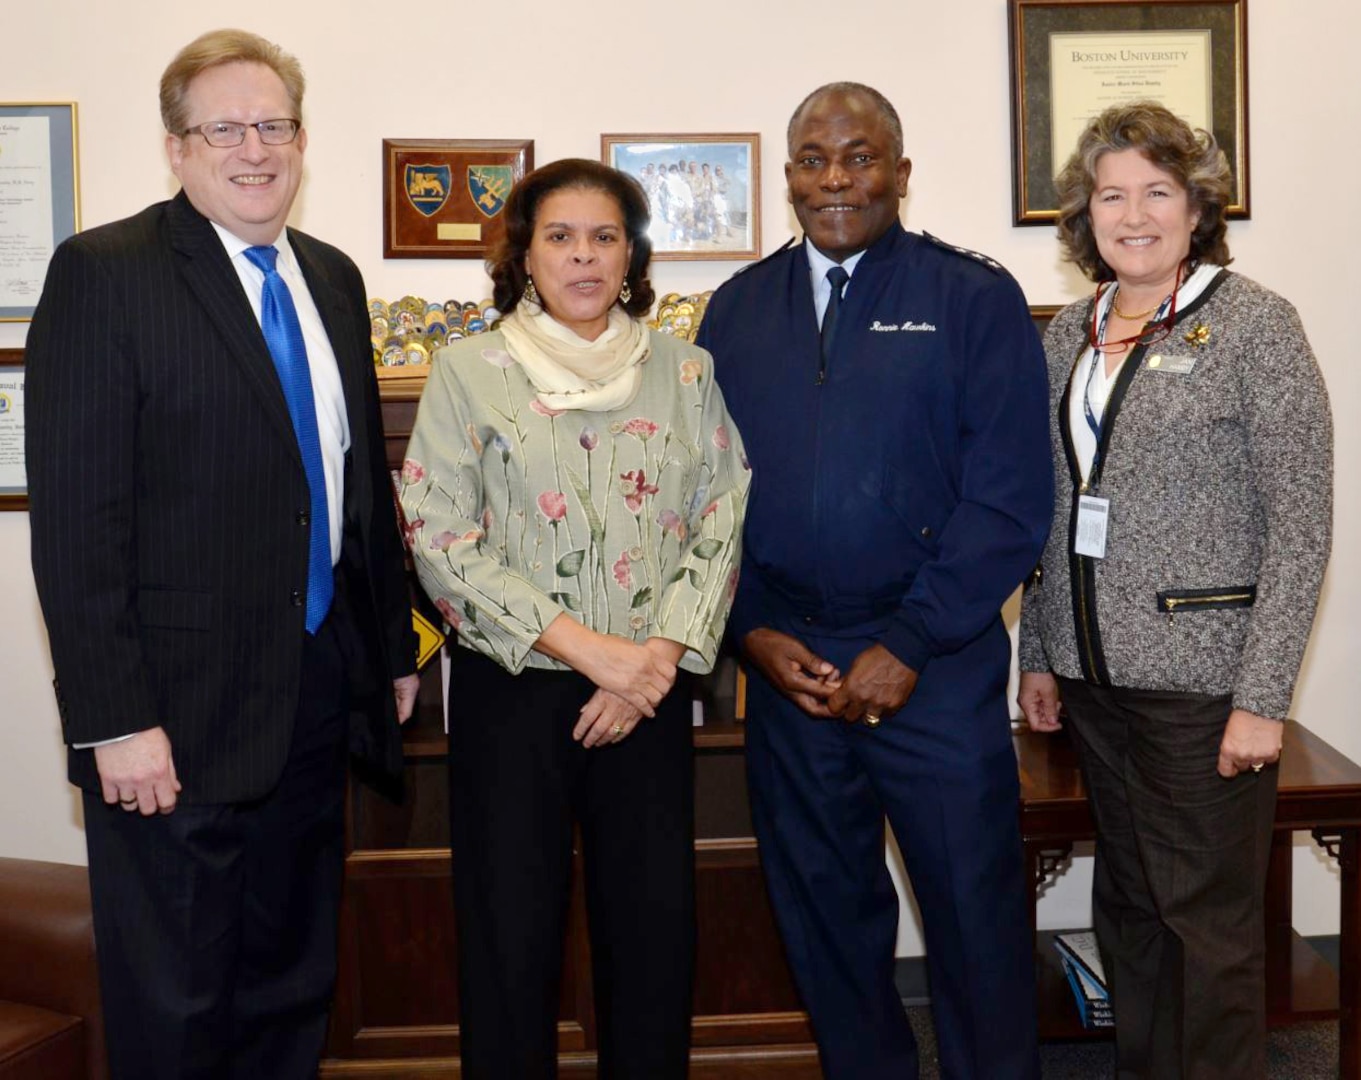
(615, 148)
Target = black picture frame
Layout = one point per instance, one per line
(1127, 27)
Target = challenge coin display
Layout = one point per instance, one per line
(406, 332)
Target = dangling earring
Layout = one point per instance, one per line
(531, 294)
(625, 294)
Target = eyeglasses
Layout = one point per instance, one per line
(1151, 334)
(228, 133)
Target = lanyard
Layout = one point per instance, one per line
(1098, 358)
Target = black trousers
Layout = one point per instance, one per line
(1180, 881)
(216, 925)
(518, 781)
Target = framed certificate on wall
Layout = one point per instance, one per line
(13, 475)
(1070, 59)
(39, 198)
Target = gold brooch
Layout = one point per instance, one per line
(1197, 336)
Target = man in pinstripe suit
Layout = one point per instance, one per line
(208, 687)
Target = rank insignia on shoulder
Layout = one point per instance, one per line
(766, 258)
(988, 261)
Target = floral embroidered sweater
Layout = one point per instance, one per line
(629, 521)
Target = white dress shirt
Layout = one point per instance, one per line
(333, 426)
(1097, 385)
(818, 265)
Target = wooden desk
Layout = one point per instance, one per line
(1320, 790)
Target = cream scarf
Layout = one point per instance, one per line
(570, 372)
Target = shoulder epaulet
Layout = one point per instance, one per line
(778, 251)
(983, 260)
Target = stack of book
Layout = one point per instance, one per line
(1082, 964)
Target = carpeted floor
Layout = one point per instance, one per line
(1297, 1052)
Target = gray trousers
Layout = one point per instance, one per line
(1180, 881)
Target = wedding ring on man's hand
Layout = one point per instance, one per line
(872, 719)
(128, 802)
(1257, 766)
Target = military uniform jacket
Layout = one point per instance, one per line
(904, 498)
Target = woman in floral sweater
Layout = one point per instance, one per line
(574, 497)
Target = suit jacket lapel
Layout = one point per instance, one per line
(337, 315)
(354, 361)
(211, 277)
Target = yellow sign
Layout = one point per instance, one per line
(430, 638)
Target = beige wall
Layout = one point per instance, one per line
(563, 74)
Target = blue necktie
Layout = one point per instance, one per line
(837, 278)
(283, 335)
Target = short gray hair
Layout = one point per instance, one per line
(881, 103)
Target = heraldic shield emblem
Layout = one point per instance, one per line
(427, 187)
(489, 185)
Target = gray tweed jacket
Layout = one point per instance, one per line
(1217, 461)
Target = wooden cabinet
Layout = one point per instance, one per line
(396, 1008)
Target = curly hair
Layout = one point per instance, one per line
(506, 267)
(213, 49)
(1192, 158)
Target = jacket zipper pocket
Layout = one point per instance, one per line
(1234, 596)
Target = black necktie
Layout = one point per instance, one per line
(837, 278)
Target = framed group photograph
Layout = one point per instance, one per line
(443, 198)
(39, 197)
(704, 191)
(1070, 59)
(13, 474)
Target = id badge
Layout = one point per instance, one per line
(1093, 513)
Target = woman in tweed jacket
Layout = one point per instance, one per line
(1193, 456)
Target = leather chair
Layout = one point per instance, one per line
(51, 1022)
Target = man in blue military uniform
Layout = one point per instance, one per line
(891, 391)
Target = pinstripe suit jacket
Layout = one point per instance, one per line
(166, 490)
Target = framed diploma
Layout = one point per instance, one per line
(39, 198)
(443, 198)
(1070, 59)
(704, 191)
(13, 476)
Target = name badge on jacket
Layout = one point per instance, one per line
(1092, 515)
(1171, 365)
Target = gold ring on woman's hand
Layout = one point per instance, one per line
(617, 730)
